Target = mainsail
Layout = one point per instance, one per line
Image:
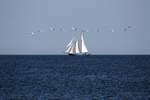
(77, 47)
(83, 46)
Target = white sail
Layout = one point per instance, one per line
(83, 46)
(68, 49)
(69, 44)
(77, 47)
(72, 49)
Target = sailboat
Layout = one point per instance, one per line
(73, 49)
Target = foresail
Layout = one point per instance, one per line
(72, 49)
(83, 46)
(68, 49)
(77, 47)
(69, 44)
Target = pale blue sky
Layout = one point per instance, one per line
(18, 18)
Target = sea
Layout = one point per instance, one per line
(62, 77)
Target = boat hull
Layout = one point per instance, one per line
(78, 54)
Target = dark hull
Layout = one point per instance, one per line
(78, 54)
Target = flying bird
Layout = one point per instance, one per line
(98, 30)
(52, 28)
(74, 28)
(32, 33)
(39, 31)
(61, 29)
(129, 26)
(112, 30)
(124, 29)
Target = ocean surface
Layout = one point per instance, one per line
(61, 77)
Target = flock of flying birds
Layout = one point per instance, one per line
(52, 29)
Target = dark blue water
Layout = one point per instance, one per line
(74, 78)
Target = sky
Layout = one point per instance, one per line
(19, 18)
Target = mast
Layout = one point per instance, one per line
(77, 47)
(83, 46)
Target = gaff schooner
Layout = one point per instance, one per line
(73, 49)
